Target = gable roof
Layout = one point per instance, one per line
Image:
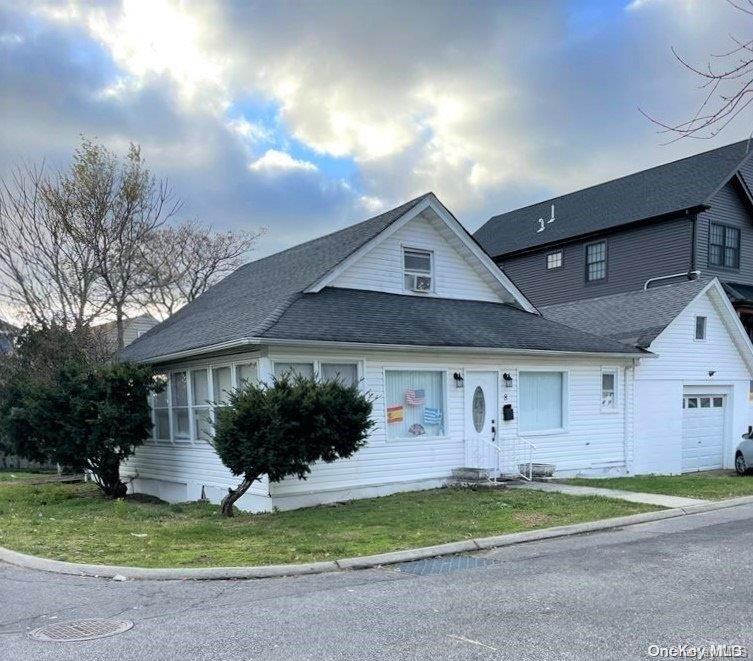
(251, 298)
(688, 183)
(372, 317)
(636, 318)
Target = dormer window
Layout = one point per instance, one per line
(418, 268)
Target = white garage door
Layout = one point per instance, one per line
(702, 432)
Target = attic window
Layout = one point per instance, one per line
(554, 260)
(418, 270)
(700, 328)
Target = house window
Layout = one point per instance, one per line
(161, 414)
(541, 401)
(415, 402)
(700, 328)
(246, 373)
(596, 261)
(345, 373)
(724, 246)
(305, 370)
(418, 270)
(200, 408)
(609, 390)
(181, 427)
(554, 260)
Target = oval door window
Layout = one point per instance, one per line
(479, 409)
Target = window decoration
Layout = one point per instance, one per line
(724, 246)
(554, 260)
(418, 270)
(700, 328)
(541, 397)
(415, 397)
(596, 261)
(416, 430)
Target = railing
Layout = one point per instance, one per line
(514, 457)
(529, 449)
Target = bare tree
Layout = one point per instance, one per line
(119, 206)
(727, 83)
(49, 277)
(183, 262)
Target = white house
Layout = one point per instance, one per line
(691, 402)
(466, 373)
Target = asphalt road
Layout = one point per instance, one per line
(607, 595)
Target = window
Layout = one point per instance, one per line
(596, 261)
(179, 404)
(161, 412)
(346, 373)
(609, 390)
(724, 246)
(700, 328)
(246, 373)
(415, 403)
(692, 402)
(718, 402)
(705, 403)
(541, 401)
(295, 369)
(554, 260)
(417, 269)
(200, 409)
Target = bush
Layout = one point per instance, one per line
(279, 430)
(61, 406)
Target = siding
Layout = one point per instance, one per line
(457, 273)
(633, 256)
(728, 207)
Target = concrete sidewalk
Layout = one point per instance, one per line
(632, 496)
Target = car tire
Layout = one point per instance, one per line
(740, 466)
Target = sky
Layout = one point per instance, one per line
(305, 117)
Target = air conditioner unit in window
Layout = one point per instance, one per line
(420, 283)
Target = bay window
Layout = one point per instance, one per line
(541, 401)
(200, 409)
(181, 427)
(415, 403)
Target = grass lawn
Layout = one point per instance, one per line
(709, 485)
(73, 522)
(17, 474)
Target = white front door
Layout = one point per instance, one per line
(702, 432)
(481, 420)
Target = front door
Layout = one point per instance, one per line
(481, 420)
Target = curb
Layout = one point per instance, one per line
(121, 573)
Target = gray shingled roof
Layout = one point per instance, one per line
(738, 292)
(635, 318)
(665, 189)
(349, 315)
(250, 299)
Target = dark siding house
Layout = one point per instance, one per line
(657, 226)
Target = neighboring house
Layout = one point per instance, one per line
(464, 371)
(695, 214)
(691, 397)
(133, 328)
(8, 332)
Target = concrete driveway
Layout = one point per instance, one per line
(606, 595)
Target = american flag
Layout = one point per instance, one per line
(415, 397)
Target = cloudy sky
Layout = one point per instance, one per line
(307, 116)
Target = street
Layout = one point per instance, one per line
(607, 595)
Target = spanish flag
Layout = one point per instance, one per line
(395, 413)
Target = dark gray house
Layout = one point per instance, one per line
(656, 226)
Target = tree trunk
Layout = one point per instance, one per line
(234, 494)
(119, 327)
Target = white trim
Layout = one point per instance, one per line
(432, 202)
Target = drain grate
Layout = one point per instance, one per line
(78, 630)
(443, 565)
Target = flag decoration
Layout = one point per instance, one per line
(416, 430)
(395, 413)
(415, 397)
(432, 416)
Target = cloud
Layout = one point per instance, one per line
(274, 161)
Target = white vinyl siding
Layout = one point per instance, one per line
(542, 401)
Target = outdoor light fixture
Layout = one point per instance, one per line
(458, 379)
(507, 379)
(712, 372)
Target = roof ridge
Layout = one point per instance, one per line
(624, 176)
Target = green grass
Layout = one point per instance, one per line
(17, 474)
(709, 485)
(73, 522)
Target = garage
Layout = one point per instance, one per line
(702, 432)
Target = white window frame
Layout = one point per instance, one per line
(432, 268)
(616, 406)
(445, 402)
(317, 363)
(555, 253)
(565, 401)
(705, 328)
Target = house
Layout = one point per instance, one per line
(464, 370)
(654, 226)
(691, 397)
(8, 332)
(133, 328)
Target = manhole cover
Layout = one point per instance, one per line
(77, 630)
